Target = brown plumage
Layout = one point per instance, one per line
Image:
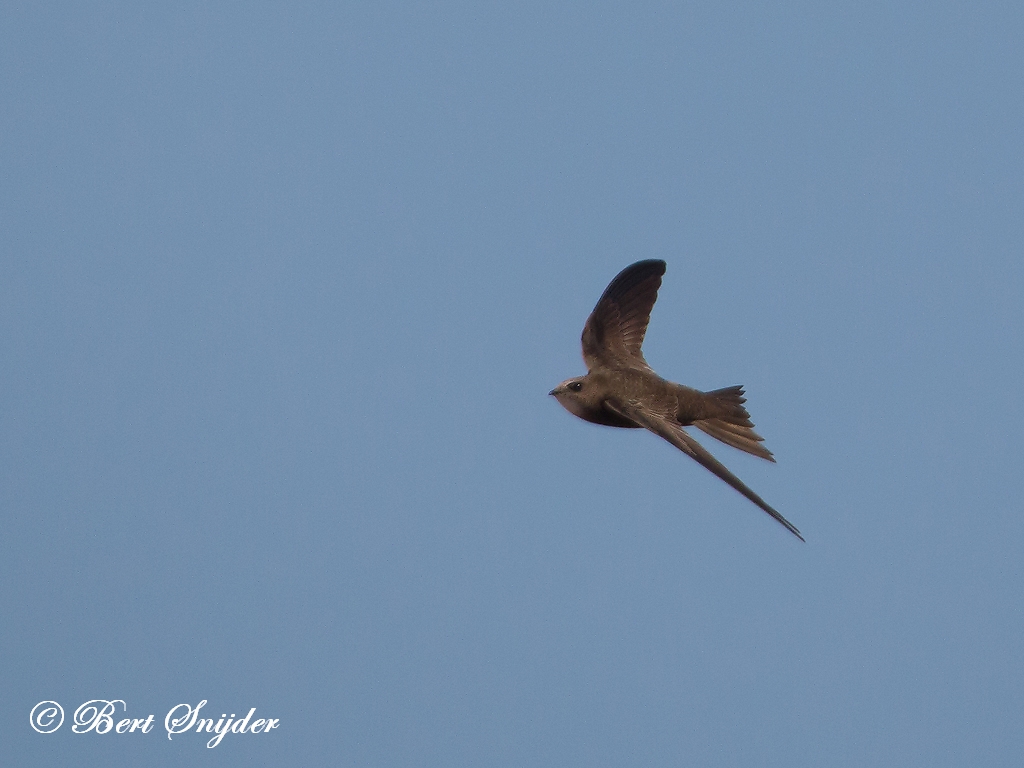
(621, 389)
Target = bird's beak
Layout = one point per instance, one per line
(553, 391)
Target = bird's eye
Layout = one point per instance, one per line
(576, 386)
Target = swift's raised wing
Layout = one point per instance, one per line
(615, 329)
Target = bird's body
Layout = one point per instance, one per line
(621, 389)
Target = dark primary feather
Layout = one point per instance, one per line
(615, 329)
(668, 429)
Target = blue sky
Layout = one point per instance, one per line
(283, 288)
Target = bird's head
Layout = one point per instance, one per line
(576, 397)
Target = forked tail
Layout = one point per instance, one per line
(731, 424)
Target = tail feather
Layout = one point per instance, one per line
(732, 424)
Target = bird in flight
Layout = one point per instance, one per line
(621, 390)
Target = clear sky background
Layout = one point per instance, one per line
(283, 288)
